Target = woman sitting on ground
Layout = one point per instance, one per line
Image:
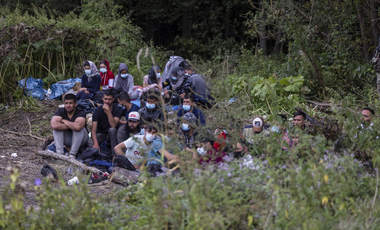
(123, 80)
(153, 79)
(106, 74)
(90, 81)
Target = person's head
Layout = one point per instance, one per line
(188, 102)
(123, 70)
(103, 66)
(70, 102)
(188, 122)
(258, 124)
(367, 114)
(133, 120)
(123, 99)
(152, 99)
(204, 145)
(188, 69)
(108, 97)
(299, 119)
(150, 132)
(177, 73)
(87, 65)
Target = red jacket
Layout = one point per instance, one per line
(107, 75)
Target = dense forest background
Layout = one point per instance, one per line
(329, 43)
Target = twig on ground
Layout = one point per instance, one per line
(68, 159)
(22, 134)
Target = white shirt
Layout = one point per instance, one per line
(137, 150)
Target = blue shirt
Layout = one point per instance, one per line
(197, 112)
(154, 157)
(134, 108)
(92, 86)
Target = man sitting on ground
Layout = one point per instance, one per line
(69, 127)
(137, 147)
(125, 103)
(188, 106)
(132, 128)
(199, 87)
(105, 121)
(152, 111)
(257, 127)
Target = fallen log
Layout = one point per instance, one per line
(68, 159)
(124, 176)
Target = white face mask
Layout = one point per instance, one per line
(201, 151)
(158, 75)
(103, 70)
(149, 137)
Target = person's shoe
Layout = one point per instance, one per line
(53, 149)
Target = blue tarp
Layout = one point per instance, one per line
(61, 87)
(33, 88)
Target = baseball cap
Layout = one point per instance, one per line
(134, 116)
(257, 124)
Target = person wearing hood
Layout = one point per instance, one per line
(107, 77)
(90, 81)
(153, 79)
(123, 80)
(177, 86)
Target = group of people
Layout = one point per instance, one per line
(140, 138)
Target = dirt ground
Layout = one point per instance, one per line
(23, 131)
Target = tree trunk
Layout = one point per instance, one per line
(317, 71)
(277, 45)
(263, 30)
(374, 25)
(362, 32)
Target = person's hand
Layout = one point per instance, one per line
(166, 93)
(96, 146)
(106, 108)
(82, 89)
(86, 91)
(182, 95)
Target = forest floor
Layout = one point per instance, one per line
(23, 131)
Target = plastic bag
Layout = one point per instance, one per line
(61, 87)
(33, 88)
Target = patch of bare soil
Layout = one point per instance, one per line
(23, 132)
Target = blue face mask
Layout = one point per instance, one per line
(103, 70)
(174, 78)
(158, 75)
(87, 71)
(121, 106)
(186, 107)
(185, 127)
(124, 75)
(150, 106)
(275, 128)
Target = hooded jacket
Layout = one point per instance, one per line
(107, 75)
(125, 84)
